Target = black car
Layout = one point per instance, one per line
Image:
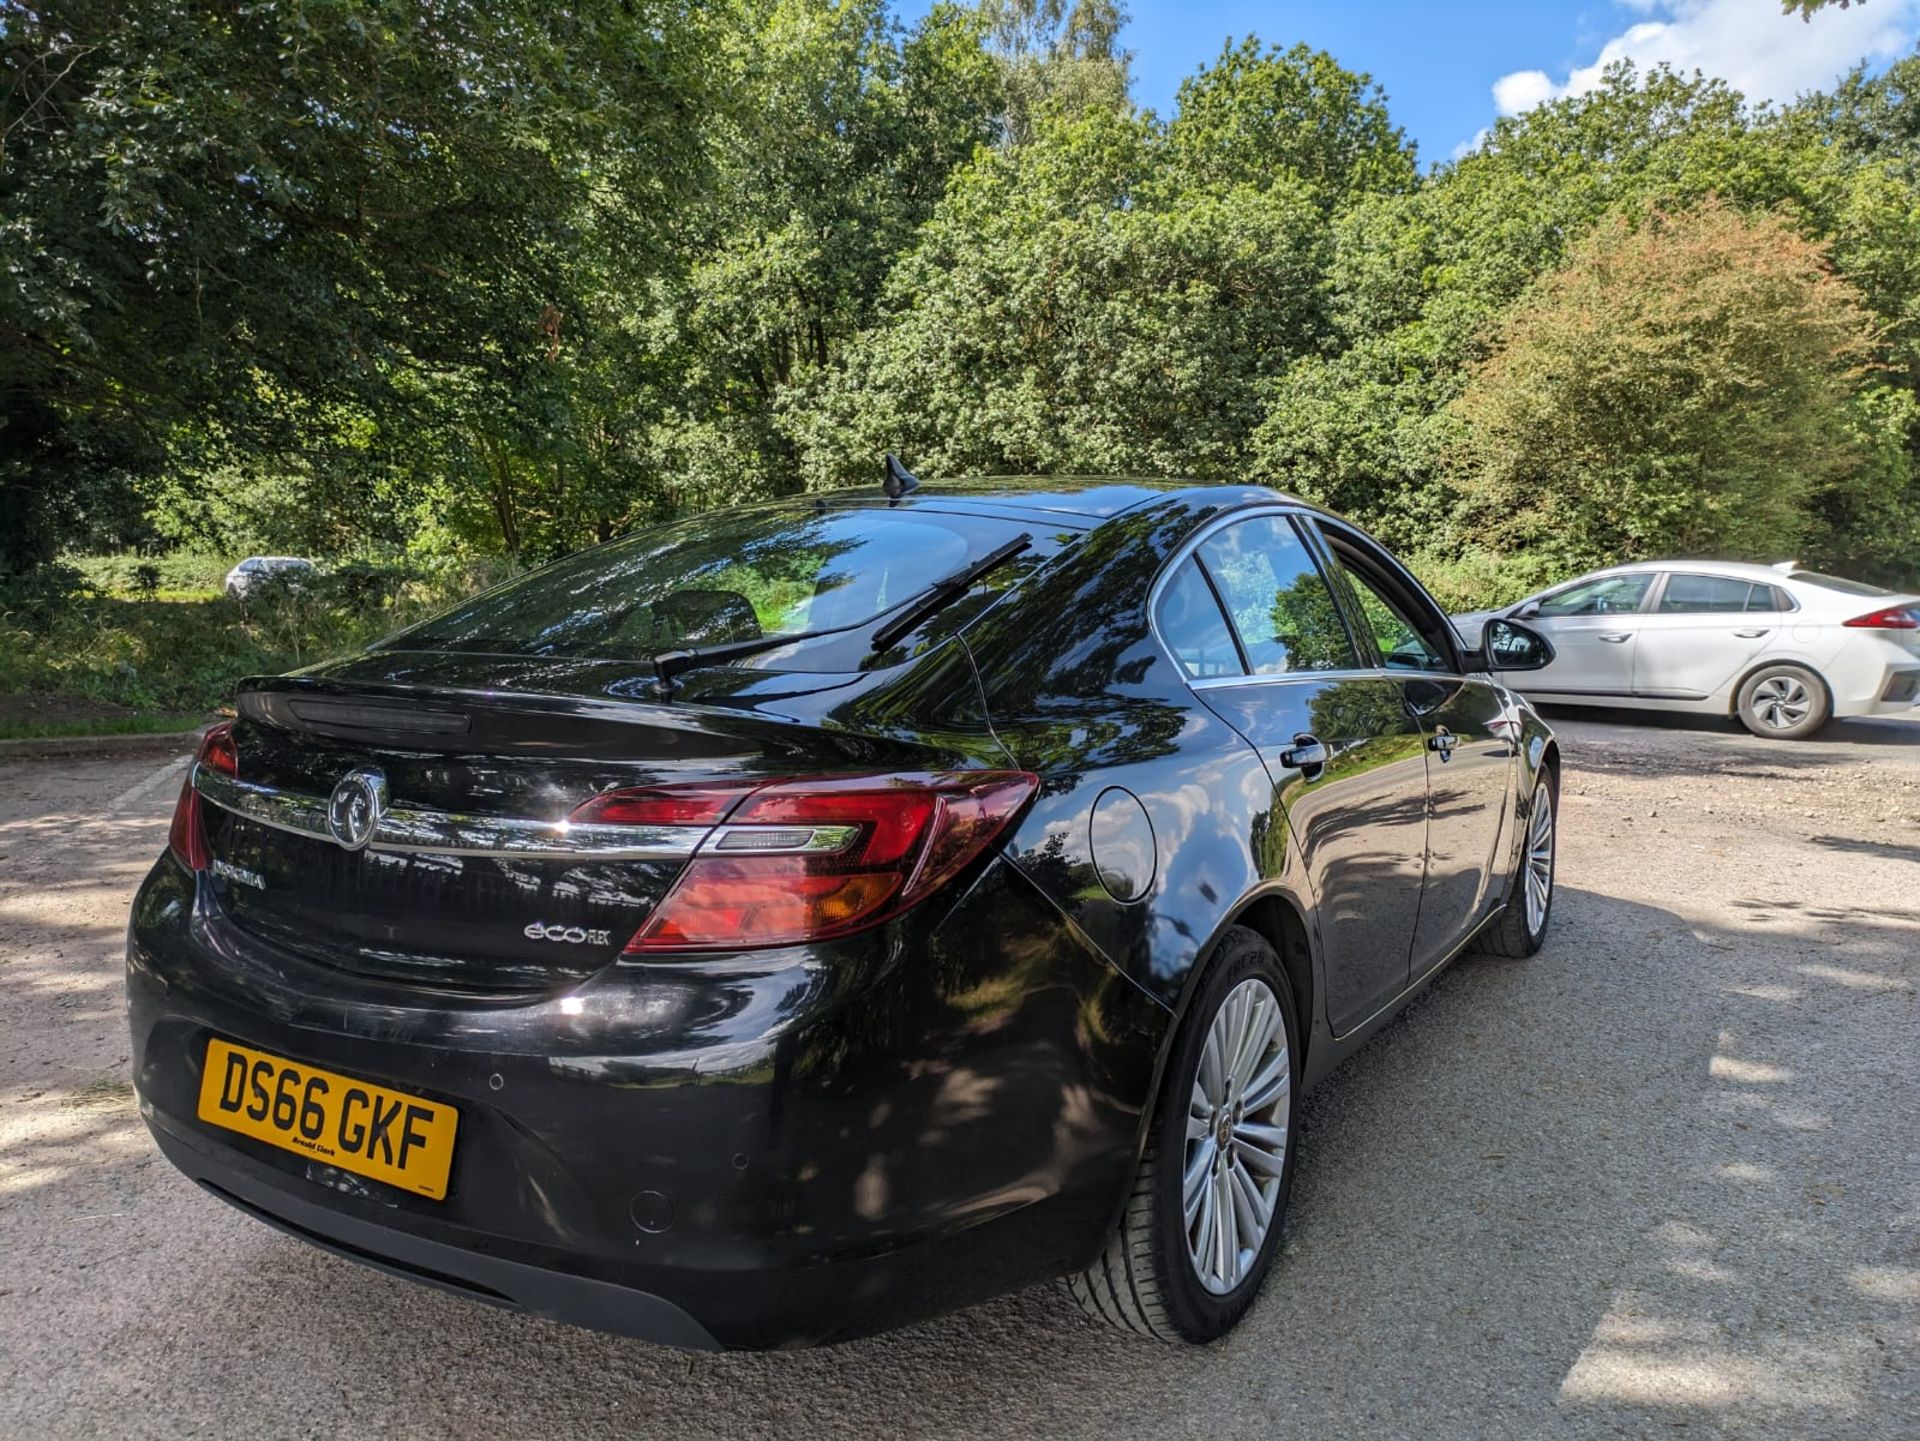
(807, 917)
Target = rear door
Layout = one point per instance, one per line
(1594, 626)
(1703, 630)
(1469, 759)
(1359, 814)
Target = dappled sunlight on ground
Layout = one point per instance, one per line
(1662, 1180)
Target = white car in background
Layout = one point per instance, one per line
(261, 572)
(1782, 648)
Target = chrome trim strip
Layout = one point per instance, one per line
(441, 833)
(1295, 677)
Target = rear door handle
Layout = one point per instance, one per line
(1306, 753)
(1614, 637)
(1750, 634)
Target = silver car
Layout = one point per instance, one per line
(1782, 648)
(262, 572)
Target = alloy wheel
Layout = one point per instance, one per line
(1782, 702)
(1539, 869)
(1237, 1122)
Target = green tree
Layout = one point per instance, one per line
(1061, 55)
(1255, 117)
(224, 221)
(1685, 382)
(1095, 300)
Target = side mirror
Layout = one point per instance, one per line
(1509, 645)
(1527, 611)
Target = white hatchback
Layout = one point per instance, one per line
(1782, 648)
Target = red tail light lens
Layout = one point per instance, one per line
(810, 860)
(187, 838)
(694, 805)
(1894, 617)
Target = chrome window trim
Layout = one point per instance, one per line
(1298, 677)
(1189, 548)
(407, 830)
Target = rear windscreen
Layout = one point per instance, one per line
(714, 579)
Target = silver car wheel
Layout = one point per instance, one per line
(1781, 702)
(1237, 1122)
(1539, 871)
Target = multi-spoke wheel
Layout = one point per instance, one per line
(1519, 929)
(1784, 702)
(1237, 1122)
(1538, 866)
(1200, 1227)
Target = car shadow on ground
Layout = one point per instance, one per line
(1511, 1216)
(1848, 730)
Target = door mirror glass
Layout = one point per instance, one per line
(1508, 645)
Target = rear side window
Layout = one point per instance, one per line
(736, 575)
(1705, 595)
(1719, 595)
(1278, 601)
(1194, 627)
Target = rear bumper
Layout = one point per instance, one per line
(1898, 696)
(520, 1285)
(790, 1149)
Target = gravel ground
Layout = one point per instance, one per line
(1663, 1179)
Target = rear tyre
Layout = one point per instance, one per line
(1203, 1220)
(1783, 703)
(1521, 927)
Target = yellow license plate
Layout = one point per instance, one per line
(402, 1140)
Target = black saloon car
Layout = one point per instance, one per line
(800, 919)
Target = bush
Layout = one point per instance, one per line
(177, 572)
(1481, 579)
(185, 655)
(1686, 384)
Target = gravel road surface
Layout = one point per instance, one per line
(1662, 1180)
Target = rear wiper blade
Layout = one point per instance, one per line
(941, 592)
(671, 663)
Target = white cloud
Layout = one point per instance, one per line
(1751, 44)
(1523, 90)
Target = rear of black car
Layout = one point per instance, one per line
(691, 1002)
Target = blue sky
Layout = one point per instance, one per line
(1450, 66)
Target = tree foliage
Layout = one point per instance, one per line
(512, 278)
(1684, 382)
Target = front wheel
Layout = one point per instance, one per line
(1783, 702)
(1521, 927)
(1203, 1220)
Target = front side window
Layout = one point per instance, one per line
(1402, 647)
(1194, 627)
(736, 575)
(1279, 602)
(1707, 595)
(1603, 595)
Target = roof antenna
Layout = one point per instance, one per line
(899, 480)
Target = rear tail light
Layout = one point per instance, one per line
(692, 805)
(810, 860)
(187, 838)
(1894, 617)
